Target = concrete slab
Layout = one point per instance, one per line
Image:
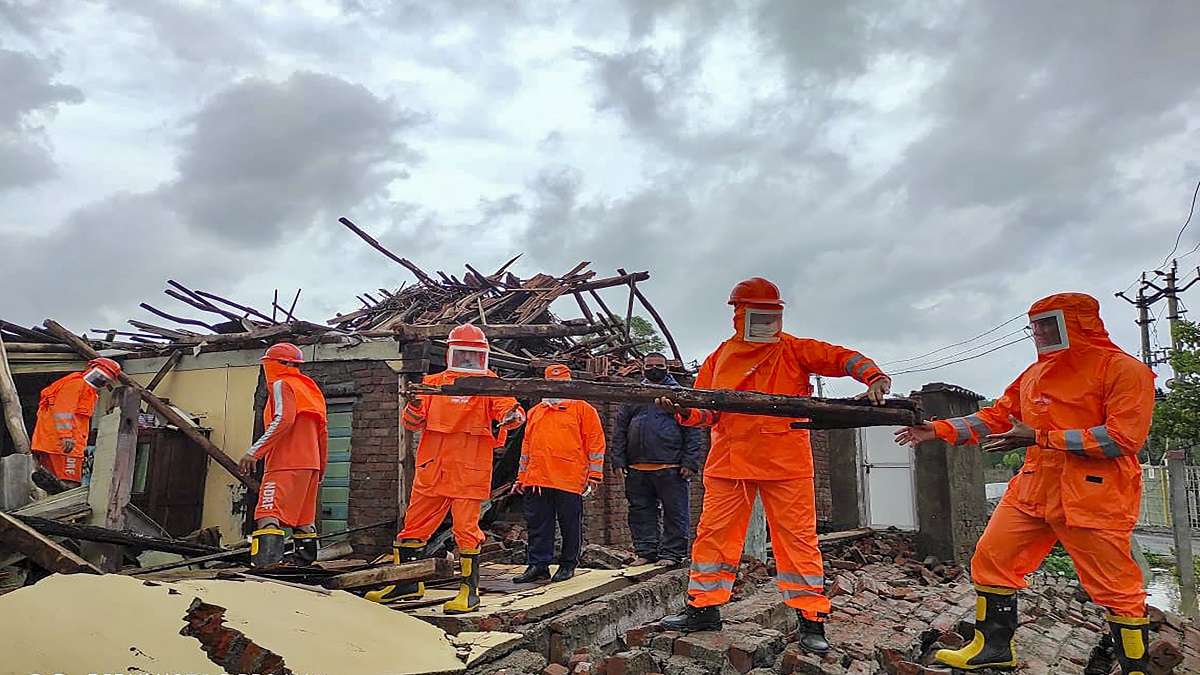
(537, 602)
(122, 624)
(481, 646)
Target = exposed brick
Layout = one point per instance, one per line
(555, 669)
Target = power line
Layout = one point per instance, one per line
(1179, 236)
(956, 344)
(969, 349)
(969, 358)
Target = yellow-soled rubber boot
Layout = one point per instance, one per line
(467, 599)
(402, 552)
(1132, 635)
(266, 547)
(307, 544)
(995, 625)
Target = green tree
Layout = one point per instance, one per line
(1177, 416)
(641, 329)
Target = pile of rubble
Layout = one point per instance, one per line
(891, 611)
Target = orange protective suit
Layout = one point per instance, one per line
(1090, 405)
(454, 459)
(64, 413)
(752, 454)
(294, 446)
(563, 448)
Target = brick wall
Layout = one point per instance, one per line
(824, 496)
(373, 444)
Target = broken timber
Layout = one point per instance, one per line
(107, 536)
(820, 413)
(410, 332)
(39, 548)
(421, 570)
(159, 406)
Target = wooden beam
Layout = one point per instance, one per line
(100, 534)
(172, 361)
(420, 570)
(662, 325)
(122, 468)
(609, 282)
(14, 419)
(819, 412)
(47, 553)
(37, 348)
(408, 264)
(85, 350)
(410, 332)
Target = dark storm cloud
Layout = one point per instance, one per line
(30, 97)
(263, 157)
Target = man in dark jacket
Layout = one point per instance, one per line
(659, 457)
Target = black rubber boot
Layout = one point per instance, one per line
(1132, 637)
(1103, 657)
(307, 544)
(995, 625)
(694, 619)
(402, 552)
(266, 547)
(811, 636)
(532, 573)
(565, 571)
(467, 599)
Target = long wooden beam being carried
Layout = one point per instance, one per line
(819, 413)
(85, 350)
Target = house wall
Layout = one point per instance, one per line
(223, 398)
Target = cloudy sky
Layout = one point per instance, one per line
(911, 174)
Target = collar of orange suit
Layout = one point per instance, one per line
(739, 358)
(1081, 314)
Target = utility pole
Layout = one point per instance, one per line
(1177, 472)
(1177, 468)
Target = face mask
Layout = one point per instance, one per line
(656, 374)
(763, 325)
(95, 378)
(1049, 331)
(467, 359)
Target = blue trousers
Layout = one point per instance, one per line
(652, 494)
(542, 510)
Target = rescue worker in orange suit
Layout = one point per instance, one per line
(562, 460)
(1083, 411)
(454, 466)
(64, 418)
(295, 448)
(765, 456)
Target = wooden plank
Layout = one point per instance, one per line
(844, 536)
(39, 548)
(159, 406)
(420, 570)
(408, 264)
(103, 535)
(662, 325)
(122, 467)
(58, 506)
(35, 348)
(855, 412)
(14, 419)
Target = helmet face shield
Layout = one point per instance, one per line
(96, 378)
(467, 359)
(1049, 331)
(763, 325)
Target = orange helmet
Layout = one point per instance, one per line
(109, 367)
(755, 291)
(468, 335)
(283, 351)
(558, 371)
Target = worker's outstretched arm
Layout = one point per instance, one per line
(974, 428)
(696, 417)
(1129, 408)
(830, 360)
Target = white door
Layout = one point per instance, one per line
(887, 479)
